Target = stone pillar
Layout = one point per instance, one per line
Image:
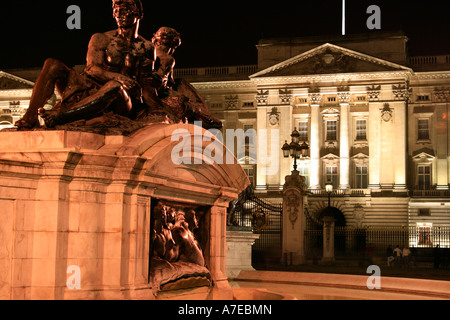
(315, 147)
(374, 145)
(216, 257)
(294, 220)
(239, 251)
(442, 144)
(400, 154)
(344, 143)
(328, 240)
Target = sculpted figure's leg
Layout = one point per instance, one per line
(91, 106)
(54, 73)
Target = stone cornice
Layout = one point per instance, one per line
(336, 77)
(431, 75)
(242, 84)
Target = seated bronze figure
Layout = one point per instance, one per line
(125, 74)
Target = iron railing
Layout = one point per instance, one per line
(350, 241)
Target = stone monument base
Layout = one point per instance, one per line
(239, 251)
(76, 212)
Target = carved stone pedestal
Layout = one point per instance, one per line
(294, 220)
(239, 251)
(76, 208)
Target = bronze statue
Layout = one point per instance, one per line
(173, 237)
(176, 96)
(125, 76)
(109, 81)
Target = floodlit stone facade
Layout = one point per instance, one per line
(375, 119)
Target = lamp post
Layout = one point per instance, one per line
(295, 149)
(329, 190)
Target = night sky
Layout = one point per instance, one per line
(215, 33)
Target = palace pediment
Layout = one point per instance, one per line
(11, 82)
(329, 59)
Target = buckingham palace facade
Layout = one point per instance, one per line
(376, 122)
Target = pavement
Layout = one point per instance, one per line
(316, 285)
(420, 271)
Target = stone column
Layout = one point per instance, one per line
(217, 250)
(315, 142)
(344, 98)
(328, 240)
(442, 138)
(400, 125)
(294, 221)
(374, 145)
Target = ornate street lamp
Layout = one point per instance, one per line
(294, 149)
(329, 190)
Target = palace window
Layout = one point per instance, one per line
(303, 130)
(250, 172)
(331, 130)
(361, 130)
(423, 98)
(332, 175)
(304, 171)
(361, 177)
(424, 234)
(423, 129)
(361, 98)
(424, 212)
(424, 177)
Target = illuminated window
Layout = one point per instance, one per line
(423, 129)
(331, 130)
(424, 234)
(332, 174)
(250, 172)
(361, 130)
(361, 177)
(303, 130)
(424, 177)
(304, 171)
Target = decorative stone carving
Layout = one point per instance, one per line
(373, 93)
(232, 102)
(441, 94)
(359, 215)
(274, 117)
(401, 92)
(344, 97)
(292, 197)
(386, 113)
(262, 97)
(330, 62)
(292, 203)
(285, 96)
(315, 98)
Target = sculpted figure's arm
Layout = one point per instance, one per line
(96, 58)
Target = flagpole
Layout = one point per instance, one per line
(343, 17)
